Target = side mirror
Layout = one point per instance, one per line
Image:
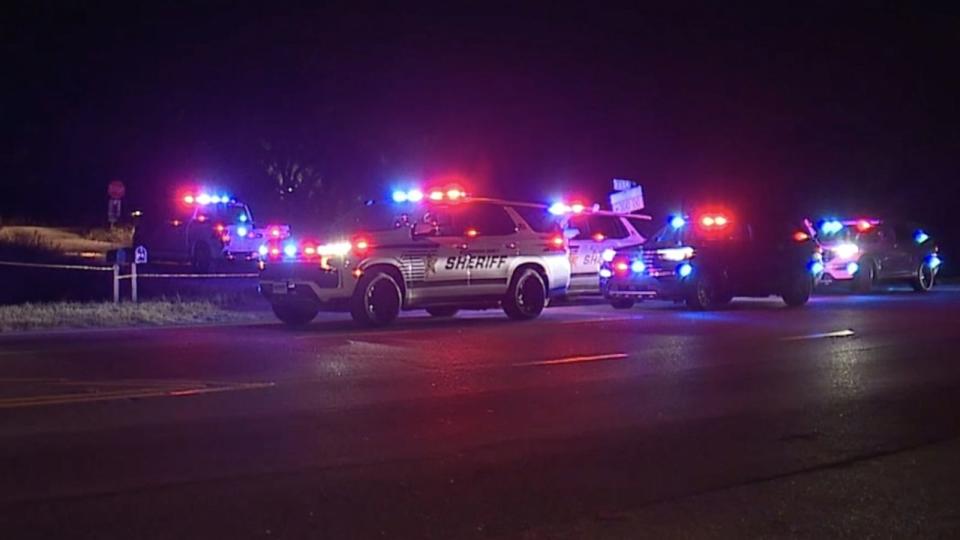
(421, 229)
(570, 234)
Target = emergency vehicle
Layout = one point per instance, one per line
(708, 258)
(592, 232)
(440, 250)
(203, 229)
(866, 251)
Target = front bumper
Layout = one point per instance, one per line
(666, 287)
(294, 282)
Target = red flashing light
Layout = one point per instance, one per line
(557, 241)
(471, 233)
(621, 266)
(275, 232)
(309, 250)
(599, 237)
(577, 208)
(436, 195)
(454, 194)
(361, 245)
(219, 227)
(863, 225)
(201, 218)
(801, 236)
(225, 239)
(188, 199)
(714, 221)
(275, 252)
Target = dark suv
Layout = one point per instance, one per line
(712, 257)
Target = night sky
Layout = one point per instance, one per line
(834, 111)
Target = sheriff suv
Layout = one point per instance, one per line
(707, 260)
(441, 251)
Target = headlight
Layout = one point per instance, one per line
(608, 255)
(846, 251)
(335, 248)
(676, 254)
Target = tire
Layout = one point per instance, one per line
(377, 299)
(442, 311)
(865, 276)
(798, 291)
(924, 278)
(703, 294)
(201, 258)
(526, 296)
(295, 314)
(622, 303)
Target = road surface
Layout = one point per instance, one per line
(840, 419)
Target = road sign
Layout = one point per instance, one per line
(116, 189)
(626, 201)
(622, 184)
(140, 255)
(113, 211)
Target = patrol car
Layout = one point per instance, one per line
(440, 250)
(866, 251)
(592, 233)
(204, 229)
(711, 257)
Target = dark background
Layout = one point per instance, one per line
(827, 110)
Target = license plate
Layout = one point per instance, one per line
(279, 288)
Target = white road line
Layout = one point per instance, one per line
(574, 360)
(838, 334)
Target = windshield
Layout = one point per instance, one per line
(369, 217)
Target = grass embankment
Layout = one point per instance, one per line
(108, 315)
(54, 244)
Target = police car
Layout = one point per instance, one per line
(204, 228)
(866, 251)
(591, 233)
(440, 250)
(711, 257)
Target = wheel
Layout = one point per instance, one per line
(924, 278)
(201, 259)
(702, 293)
(622, 303)
(865, 276)
(442, 311)
(295, 314)
(798, 291)
(526, 296)
(376, 300)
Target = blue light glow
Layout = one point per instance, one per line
(816, 268)
(414, 195)
(831, 226)
(605, 273)
(684, 270)
(290, 250)
(920, 237)
(558, 209)
(677, 221)
(262, 250)
(934, 262)
(637, 267)
(242, 231)
(853, 268)
(399, 196)
(243, 218)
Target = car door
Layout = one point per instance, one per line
(893, 260)
(490, 235)
(443, 256)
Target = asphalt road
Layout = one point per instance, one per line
(840, 419)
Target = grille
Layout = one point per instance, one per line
(657, 267)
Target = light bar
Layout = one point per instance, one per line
(831, 226)
(677, 221)
(676, 254)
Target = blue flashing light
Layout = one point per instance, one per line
(684, 270)
(243, 218)
(242, 231)
(853, 268)
(262, 250)
(677, 221)
(605, 273)
(934, 262)
(203, 199)
(399, 196)
(831, 226)
(414, 195)
(637, 267)
(816, 268)
(558, 209)
(920, 237)
(290, 250)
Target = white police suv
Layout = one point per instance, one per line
(440, 250)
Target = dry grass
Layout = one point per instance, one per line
(103, 314)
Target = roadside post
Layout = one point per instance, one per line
(116, 190)
(139, 257)
(116, 283)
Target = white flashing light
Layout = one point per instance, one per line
(558, 209)
(203, 199)
(816, 268)
(242, 231)
(414, 195)
(605, 273)
(400, 196)
(677, 221)
(638, 267)
(262, 250)
(676, 254)
(853, 268)
(336, 248)
(608, 254)
(846, 251)
(577, 208)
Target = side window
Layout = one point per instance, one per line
(904, 231)
(607, 227)
(582, 225)
(486, 220)
(539, 219)
(639, 225)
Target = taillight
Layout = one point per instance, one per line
(801, 236)
(361, 245)
(557, 242)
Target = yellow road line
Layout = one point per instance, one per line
(180, 390)
(574, 360)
